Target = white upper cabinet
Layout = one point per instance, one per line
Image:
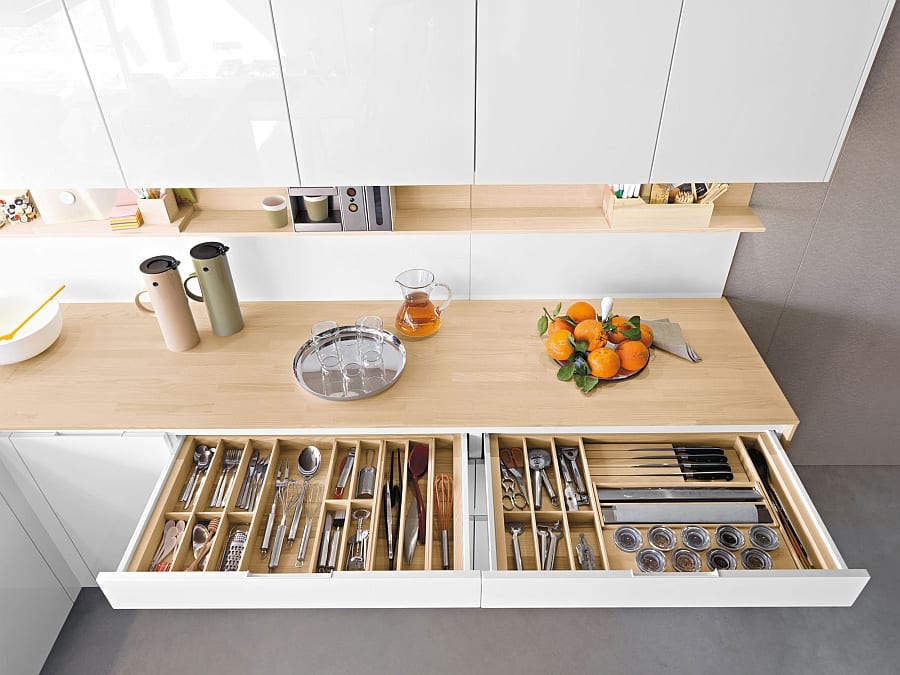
(764, 91)
(191, 91)
(53, 133)
(381, 92)
(571, 91)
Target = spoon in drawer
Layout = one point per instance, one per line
(171, 538)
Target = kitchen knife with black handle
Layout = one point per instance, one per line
(687, 475)
(714, 459)
(677, 449)
(684, 466)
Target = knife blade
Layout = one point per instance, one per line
(681, 513)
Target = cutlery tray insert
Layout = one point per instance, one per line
(608, 462)
(444, 456)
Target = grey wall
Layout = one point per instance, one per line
(819, 292)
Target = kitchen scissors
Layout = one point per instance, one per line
(513, 459)
(513, 495)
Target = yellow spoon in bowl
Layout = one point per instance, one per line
(12, 333)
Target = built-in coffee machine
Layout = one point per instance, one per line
(351, 208)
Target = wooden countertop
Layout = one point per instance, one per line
(485, 369)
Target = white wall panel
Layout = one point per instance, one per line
(363, 267)
(301, 267)
(593, 265)
(53, 133)
(192, 91)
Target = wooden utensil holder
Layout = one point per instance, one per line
(162, 211)
(445, 456)
(636, 213)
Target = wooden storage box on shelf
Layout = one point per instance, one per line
(159, 211)
(636, 213)
(445, 456)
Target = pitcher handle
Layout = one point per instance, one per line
(192, 296)
(439, 310)
(140, 305)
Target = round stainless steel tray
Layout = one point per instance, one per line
(309, 375)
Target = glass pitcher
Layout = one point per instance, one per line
(418, 317)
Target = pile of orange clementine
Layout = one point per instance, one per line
(591, 350)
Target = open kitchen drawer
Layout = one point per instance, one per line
(806, 570)
(421, 582)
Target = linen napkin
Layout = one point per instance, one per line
(667, 336)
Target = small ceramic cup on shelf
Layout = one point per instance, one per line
(276, 210)
(316, 208)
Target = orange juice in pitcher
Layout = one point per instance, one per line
(418, 316)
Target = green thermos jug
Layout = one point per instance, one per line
(216, 287)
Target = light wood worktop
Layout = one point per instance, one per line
(485, 369)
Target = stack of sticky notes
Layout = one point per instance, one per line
(127, 217)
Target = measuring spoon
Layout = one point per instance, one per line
(418, 466)
(308, 464)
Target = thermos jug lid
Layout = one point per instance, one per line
(208, 250)
(159, 264)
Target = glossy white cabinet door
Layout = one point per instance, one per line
(764, 91)
(97, 486)
(33, 605)
(571, 91)
(381, 92)
(53, 132)
(192, 91)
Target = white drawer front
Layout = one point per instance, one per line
(829, 584)
(240, 590)
(739, 588)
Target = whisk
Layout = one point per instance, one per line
(287, 495)
(313, 495)
(443, 499)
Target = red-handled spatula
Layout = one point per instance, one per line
(418, 466)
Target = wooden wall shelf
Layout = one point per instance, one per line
(524, 209)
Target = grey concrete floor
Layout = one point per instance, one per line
(860, 506)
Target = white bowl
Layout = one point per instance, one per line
(35, 336)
